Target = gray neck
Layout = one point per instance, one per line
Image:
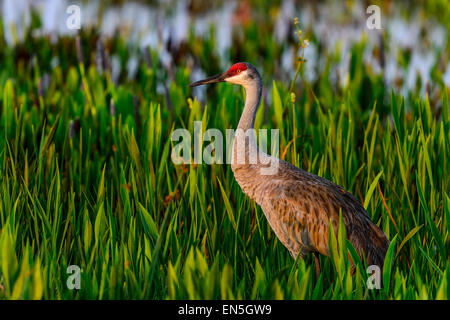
(253, 91)
(245, 141)
(249, 163)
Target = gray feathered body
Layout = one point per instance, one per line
(299, 205)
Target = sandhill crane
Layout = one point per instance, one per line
(297, 204)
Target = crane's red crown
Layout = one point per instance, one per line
(236, 68)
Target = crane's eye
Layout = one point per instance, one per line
(238, 71)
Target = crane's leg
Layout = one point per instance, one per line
(316, 260)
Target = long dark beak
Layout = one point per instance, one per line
(217, 78)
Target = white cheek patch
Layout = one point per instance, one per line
(238, 79)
